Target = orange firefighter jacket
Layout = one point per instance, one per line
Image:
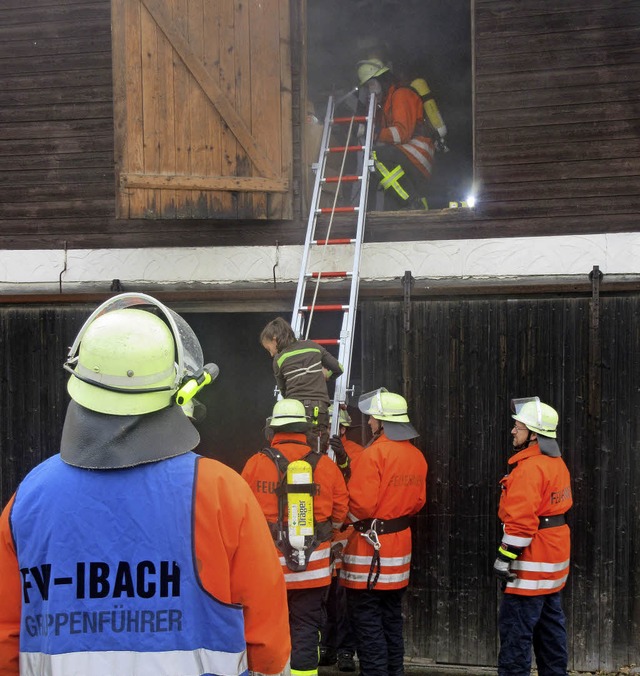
(331, 502)
(388, 480)
(228, 531)
(400, 123)
(538, 486)
(353, 448)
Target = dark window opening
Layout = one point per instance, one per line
(427, 39)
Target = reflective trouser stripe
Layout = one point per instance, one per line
(540, 566)
(383, 578)
(534, 585)
(390, 179)
(110, 662)
(319, 567)
(309, 672)
(393, 569)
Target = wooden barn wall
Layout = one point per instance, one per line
(465, 360)
(557, 118)
(557, 148)
(460, 363)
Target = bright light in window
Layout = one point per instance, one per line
(471, 201)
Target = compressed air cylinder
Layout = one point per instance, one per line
(300, 506)
(430, 106)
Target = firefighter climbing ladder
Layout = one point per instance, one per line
(315, 248)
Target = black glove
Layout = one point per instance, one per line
(337, 447)
(502, 569)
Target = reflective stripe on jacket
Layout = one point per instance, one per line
(331, 502)
(388, 480)
(400, 122)
(537, 486)
(136, 566)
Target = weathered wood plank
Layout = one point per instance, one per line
(166, 182)
(588, 75)
(560, 170)
(15, 116)
(556, 97)
(86, 44)
(183, 104)
(98, 77)
(587, 151)
(557, 115)
(247, 203)
(594, 131)
(548, 61)
(609, 187)
(556, 22)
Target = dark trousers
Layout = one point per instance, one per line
(526, 621)
(306, 619)
(318, 435)
(337, 634)
(377, 624)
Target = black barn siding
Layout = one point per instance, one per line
(465, 360)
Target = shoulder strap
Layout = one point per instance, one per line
(280, 461)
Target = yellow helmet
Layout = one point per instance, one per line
(370, 68)
(343, 416)
(384, 405)
(127, 360)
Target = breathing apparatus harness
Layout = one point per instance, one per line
(299, 537)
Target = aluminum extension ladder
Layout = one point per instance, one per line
(306, 300)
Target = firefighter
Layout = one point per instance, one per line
(533, 557)
(127, 553)
(302, 369)
(387, 487)
(403, 150)
(341, 443)
(337, 645)
(305, 563)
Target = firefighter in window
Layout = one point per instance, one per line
(409, 131)
(304, 498)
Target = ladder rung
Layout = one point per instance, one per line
(326, 341)
(342, 179)
(315, 275)
(346, 120)
(341, 149)
(337, 240)
(324, 308)
(337, 210)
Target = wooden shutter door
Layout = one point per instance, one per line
(202, 108)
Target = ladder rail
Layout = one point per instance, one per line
(297, 319)
(349, 319)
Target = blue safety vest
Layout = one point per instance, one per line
(109, 578)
